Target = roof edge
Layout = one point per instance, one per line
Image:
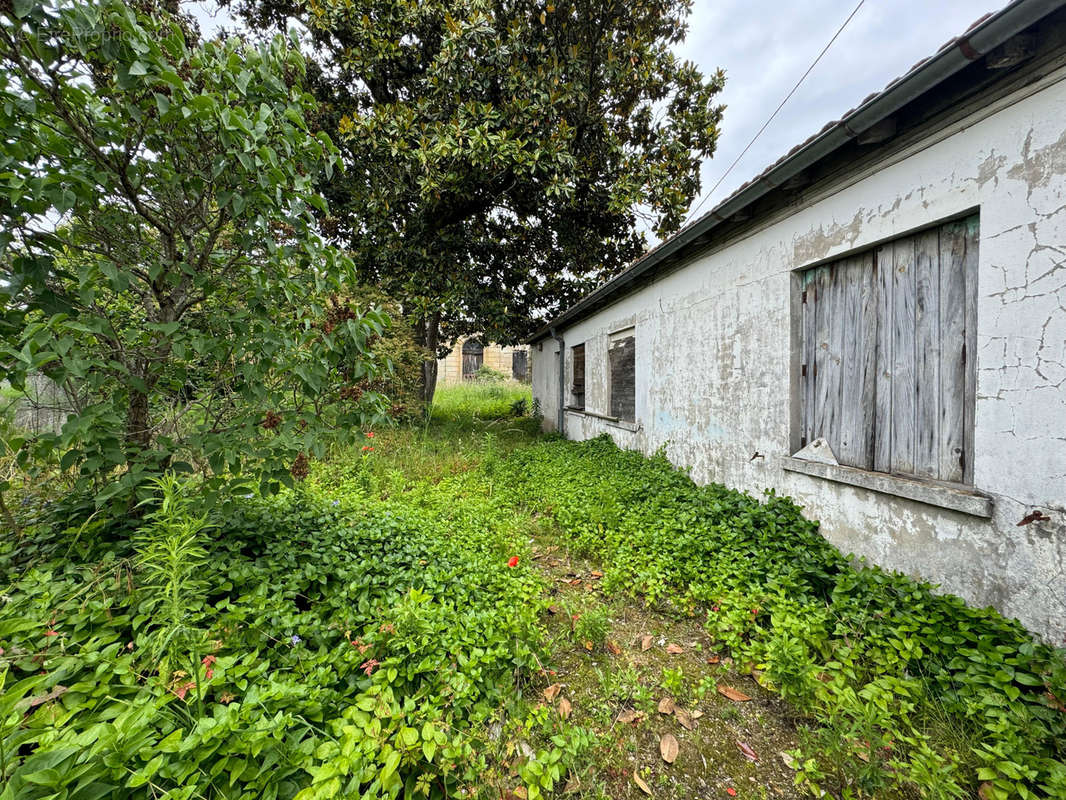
(982, 37)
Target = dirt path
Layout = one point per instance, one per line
(651, 681)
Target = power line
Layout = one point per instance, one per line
(776, 110)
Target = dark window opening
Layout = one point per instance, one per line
(623, 360)
(520, 365)
(577, 383)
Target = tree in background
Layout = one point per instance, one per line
(502, 154)
(160, 259)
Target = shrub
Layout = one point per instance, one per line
(917, 690)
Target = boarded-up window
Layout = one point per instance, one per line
(623, 360)
(519, 365)
(473, 358)
(887, 367)
(577, 386)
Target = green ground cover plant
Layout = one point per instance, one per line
(332, 641)
(909, 691)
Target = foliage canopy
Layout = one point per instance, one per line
(160, 256)
(500, 155)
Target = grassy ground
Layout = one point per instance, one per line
(466, 609)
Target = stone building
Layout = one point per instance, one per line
(470, 354)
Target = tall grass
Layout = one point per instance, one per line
(472, 401)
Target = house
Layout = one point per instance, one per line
(470, 354)
(874, 326)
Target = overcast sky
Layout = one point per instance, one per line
(764, 46)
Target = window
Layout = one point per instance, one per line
(473, 358)
(577, 371)
(886, 367)
(519, 365)
(622, 355)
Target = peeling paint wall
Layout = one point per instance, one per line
(714, 357)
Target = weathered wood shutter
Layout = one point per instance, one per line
(623, 359)
(519, 364)
(473, 358)
(887, 369)
(577, 389)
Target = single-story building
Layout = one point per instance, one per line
(874, 326)
(470, 354)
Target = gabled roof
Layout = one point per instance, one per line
(983, 36)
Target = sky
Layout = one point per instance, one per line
(764, 46)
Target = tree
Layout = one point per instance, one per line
(501, 154)
(160, 257)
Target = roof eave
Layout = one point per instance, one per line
(952, 57)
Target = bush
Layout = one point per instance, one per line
(908, 690)
(348, 649)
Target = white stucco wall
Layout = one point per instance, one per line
(714, 346)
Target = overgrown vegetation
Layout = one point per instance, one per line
(906, 690)
(351, 637)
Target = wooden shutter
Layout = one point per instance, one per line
(623, 359)
(887, 374)
(577, 389)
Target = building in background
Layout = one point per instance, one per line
(471, 354)
(874, 326)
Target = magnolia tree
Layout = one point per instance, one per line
(161, 261)
(503, 157)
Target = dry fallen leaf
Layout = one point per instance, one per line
(790, 762)
(674, 649)
(588, 645)
(44, 698)
(732, 694)
(629, 715)
(684, 718)
(710, 659)
(668, 748)
(747, 751)
(565, 708)
(554, 610)
(613, 648)
(697, 714)
(640, 782)
(572, 786)
(552, 692)
(666, 706)
(519, 792)
(596, 574)
(645, 643)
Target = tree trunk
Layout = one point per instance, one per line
(138, 429)
(429, 334)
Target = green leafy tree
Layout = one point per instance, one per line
(160, 256)
(503, 157)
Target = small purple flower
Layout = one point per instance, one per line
(295, 639)
(336, 502)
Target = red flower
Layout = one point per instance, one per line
(369, 434)
(367, 448)
(207, 661)
(513, 561)
(731, 792)
(369, 665)
(51, 633)
(208, 673)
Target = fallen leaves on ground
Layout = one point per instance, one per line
(639, 781)
(684, 718)
(749, 754)
(674, 649)
(613, 648)
(552, 692)
(666, 706)
(645, 643)
(630, 716)
(733, 694)
(565, 708)
(668, 748)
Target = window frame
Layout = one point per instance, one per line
(577, 389)
(613, 340)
